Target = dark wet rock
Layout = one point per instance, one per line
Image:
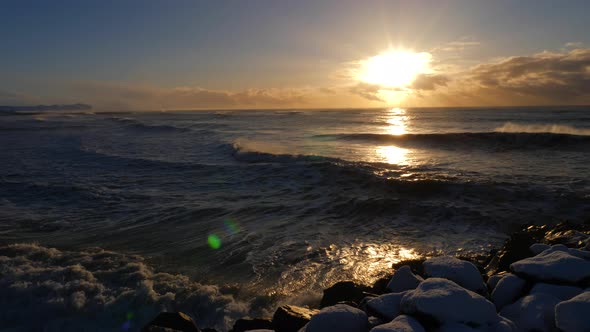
(344, 291)
(571, 238)
(515, 249)
(414, 264)
(289, 318)
(177, 321)
(380, 286)
(246, 324)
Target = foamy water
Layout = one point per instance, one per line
(244, 210)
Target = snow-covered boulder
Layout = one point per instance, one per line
(561, 292)
(338, 318)
(538, 248)
(532, 313)
(508, 290)
(457, 327)
(493, 280)
(503, 325)
(554, 264)
(403, 279)
(401, 323)
(385, 306)
(446, 302)
(462, 272)
(573, 315)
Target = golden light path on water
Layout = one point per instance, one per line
(397, 122)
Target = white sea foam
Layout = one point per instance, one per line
(511, 127)
(97, 290)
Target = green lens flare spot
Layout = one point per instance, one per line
(130, 316)
(214, 241)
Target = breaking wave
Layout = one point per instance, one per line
(497, 140)
(100, 290)
(511, 127)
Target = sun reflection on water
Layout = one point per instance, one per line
(391, 154)
(369, 261)
(397, 121)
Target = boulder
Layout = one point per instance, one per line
(532, 313)
(401, 323)
(561, 292)
(444, 301)
(173, 320)
(493, 280)
(246, 324)
(289, 318)
(343, 291)
(464, 273)
(554, 264)
(508, 290)
(572, 315)
(338, 318)
(538, 248)
(403, 279)
(515, 249)
(385, 306)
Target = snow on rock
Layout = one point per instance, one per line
(403, 279)
(338, 318)
(562, 293)
(572, 315)
(401, 323)
(508, 290)
(553, 264)
(493, 280)
(538, 248)
(446, 302)
(386, 306)
(462, 272)
(532, 313)
(457, 327)
(503, 325)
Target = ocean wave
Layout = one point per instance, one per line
(136, 125)
(247, 153)
(495, 140)
(99, 290)
(511, 127)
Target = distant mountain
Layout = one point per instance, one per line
(38, 108)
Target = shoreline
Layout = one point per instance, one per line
(522, 282)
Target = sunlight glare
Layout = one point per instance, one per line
(392, 154)
(395, 68)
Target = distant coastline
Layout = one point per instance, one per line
(41, 108)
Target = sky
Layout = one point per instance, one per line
(178, 54)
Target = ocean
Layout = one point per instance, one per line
(108, 218)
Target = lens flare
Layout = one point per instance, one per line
(231, 227)
(214, 241)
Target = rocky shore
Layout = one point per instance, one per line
(538, 281)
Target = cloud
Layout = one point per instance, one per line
(367, 91)
(554, 76)
(457, 45)
(574, 45)
(546, 78)
(429, 81)
(108, 95)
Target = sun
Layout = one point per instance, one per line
(394, 68)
